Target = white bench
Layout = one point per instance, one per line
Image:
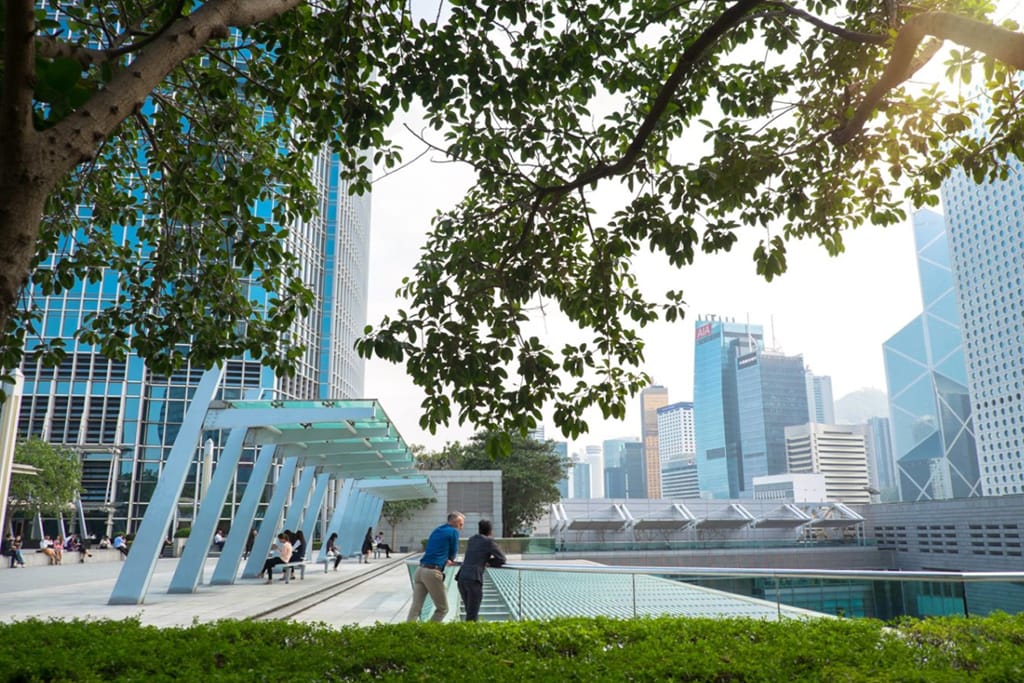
(287, 568)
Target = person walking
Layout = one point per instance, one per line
(442, 547)
(367, 546)
(481, 552)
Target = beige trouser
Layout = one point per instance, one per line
(430, 581)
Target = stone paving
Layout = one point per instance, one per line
(81, 591)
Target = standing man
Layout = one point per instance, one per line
(442, 547)
(481, 551)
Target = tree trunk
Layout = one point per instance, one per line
(22, 200)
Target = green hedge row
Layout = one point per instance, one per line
(663, 649)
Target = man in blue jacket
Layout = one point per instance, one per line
(442, 547)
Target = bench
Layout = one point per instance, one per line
(287, 568)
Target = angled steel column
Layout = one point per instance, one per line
(313, 511)
(227, 566)
(340, 506)
(189, 571)
(133, 581)
(299, 498)
(268, 528)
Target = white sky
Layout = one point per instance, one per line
(837, 312)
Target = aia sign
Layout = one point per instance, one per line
(702, 332)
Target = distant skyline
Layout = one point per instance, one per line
(834, 311)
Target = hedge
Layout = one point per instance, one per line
(658, 649)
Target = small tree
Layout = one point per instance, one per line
(529, 473)
(50, 490)
(395, 512)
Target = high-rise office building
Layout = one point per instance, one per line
(837, 451)
(562, 449)
(623, 468)
(820, 405)
(580, 479)
(592, 456)
(651, 399)
(771, 395)
(675, 431)
(984, 223)
(929, 405)
(881, 464)
(718, 345)
(122, 418)
(679, 478)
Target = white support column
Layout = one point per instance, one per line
(8, 439)
(227, 566)
(133, 581)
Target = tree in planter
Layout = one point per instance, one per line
(530, 473)
(395, 512)
(797, 109)
(53, 487)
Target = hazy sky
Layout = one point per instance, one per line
(837, 312)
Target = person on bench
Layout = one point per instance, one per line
(283, 555)
(332, 550)
(298, 548)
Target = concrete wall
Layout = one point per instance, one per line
(413, 532)
(961, 534)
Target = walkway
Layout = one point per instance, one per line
(82, 590)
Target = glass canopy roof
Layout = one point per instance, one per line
(352, 439)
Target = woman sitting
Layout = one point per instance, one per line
(283, 555)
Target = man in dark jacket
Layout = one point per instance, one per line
(481, 551)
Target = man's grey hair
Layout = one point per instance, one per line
(454, 515)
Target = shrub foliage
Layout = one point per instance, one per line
(661, 649)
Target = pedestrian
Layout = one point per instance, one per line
(481, 551)
(442, 547)
(367, 547)
(249, 543)
(218, 541)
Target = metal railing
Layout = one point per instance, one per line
(543, 590)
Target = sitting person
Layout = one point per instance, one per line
(218, 541)
(12, 549)
(58, 549)
(381, 545)
(104, 543)
(120, 544)
(333, 550)
(46, 548)
(282, 555)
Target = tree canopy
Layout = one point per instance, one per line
(53, 488)
(178, 117)
(530, 472)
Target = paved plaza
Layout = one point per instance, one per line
(81, 591)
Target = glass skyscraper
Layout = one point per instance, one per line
(985, 223)
(123, 419)
(772, 395)
(929, 406)
(718, 345)
(820, 405)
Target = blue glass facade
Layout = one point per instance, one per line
(123, 419)
(718, 345)
(623, 468)
(929, 406)
(772, 393)
(985, 223)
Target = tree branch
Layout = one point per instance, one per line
(845, 34)
(128, 89)
(999, 43)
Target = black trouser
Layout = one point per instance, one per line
(337, 560)
(269, 565)
(385, 547)
(472, 593)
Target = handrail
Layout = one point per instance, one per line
(873, 574)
